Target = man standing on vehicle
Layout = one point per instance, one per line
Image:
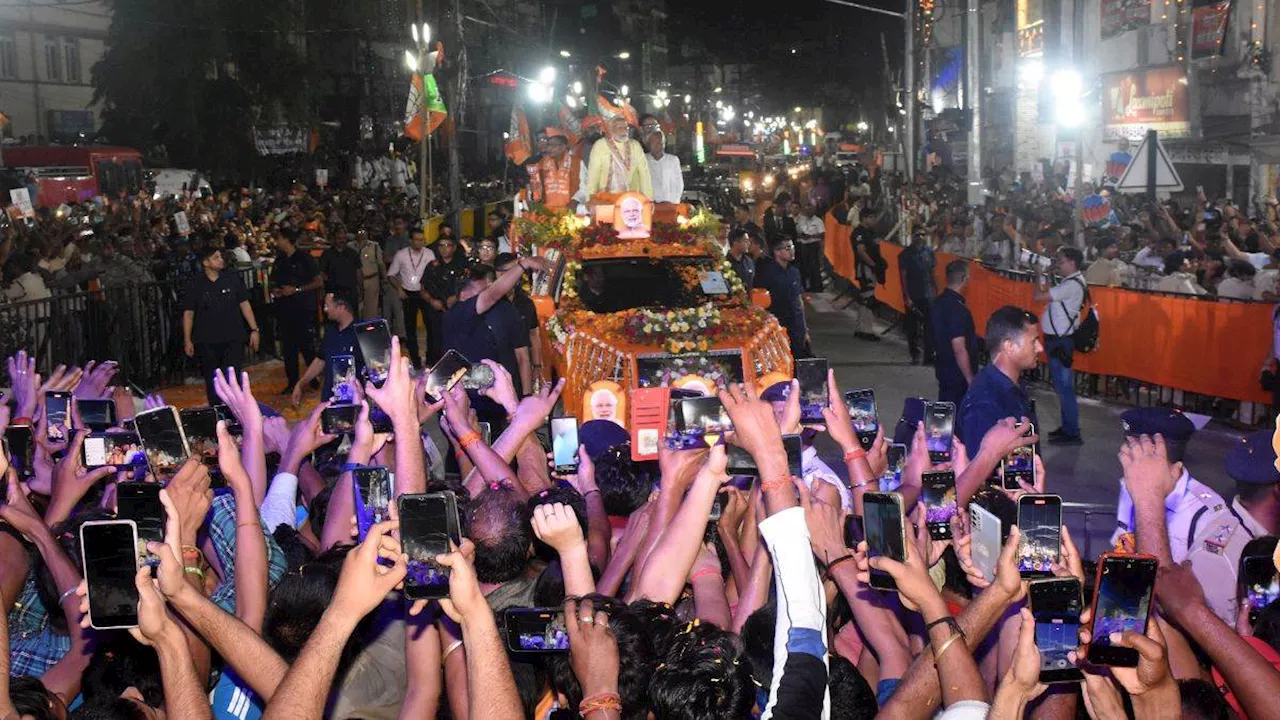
(781, 278)
(668, 183)
(618, 163)
(1059, 320)
(557, 172)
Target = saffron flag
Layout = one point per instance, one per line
(518, 147)
(432, 104)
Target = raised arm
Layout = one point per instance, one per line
(507, 281)
(250, 575)
(396, 399)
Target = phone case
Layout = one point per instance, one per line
(84, 562)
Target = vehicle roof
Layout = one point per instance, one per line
(61, 155)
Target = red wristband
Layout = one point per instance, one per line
(704, 571)
(469, 439)
(855, 454)
(776, 483)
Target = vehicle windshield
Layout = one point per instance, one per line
(606, 286)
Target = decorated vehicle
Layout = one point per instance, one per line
(633, 307)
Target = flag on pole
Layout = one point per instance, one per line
(518, 146)
(608, 110)
(434, 104)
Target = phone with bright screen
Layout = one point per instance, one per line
(109, 551)
(863, 415)
(162, 439)
(342, 389)
(896, 455)
(532, 630)
(812, 374)
(119, 450)
(339, 419)
(885, 533)
(200, 425)
(939, 503)
(57, 415)
(97, 415)
(451, 368)
(1259, 583)
(1040, 521)
(374, 340)
(1020, 465)
(939, 421)
(428, 523)
(1056, 604)
(372, 489)
(1125, 586)
(702, 421)
(564, 444)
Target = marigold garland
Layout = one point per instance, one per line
(687, 330)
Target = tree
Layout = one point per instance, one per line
(195, 77)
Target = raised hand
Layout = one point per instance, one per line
(593, 650)
(230, 463)
(191, 497)
(1148, 474)
(365, 582)
(1024, 673)
(465, 602)
(71, 481)
(754, 427)
(237, 395)
(503, 391)
(557, 525)
(395, 397)
(25, 383)
(536, 408)
(95, 380)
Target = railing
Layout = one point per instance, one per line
(138, 325)
(1084, 533)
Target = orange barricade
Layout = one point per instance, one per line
(839, 248)
(1208, 347)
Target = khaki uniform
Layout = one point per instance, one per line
(370, 280)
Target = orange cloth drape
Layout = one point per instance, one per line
(839, 248)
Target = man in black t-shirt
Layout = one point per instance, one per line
(340, 266)
(870, 272)
(294, 282)
(215, 310)
(337, 348)
(441, 280)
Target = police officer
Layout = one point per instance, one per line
(1201, 527)
(1252, 464)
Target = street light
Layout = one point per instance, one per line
(547, 75)
(565, 54)
(688, 99)
(862, 125)
(425, 36)
(624, 55)
(577, 87)
(718, 89)
(797, 108)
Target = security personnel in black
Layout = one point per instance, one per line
(294, 282)
(215, 315)
(442, 280)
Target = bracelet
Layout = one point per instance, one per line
(843, 558)
(63, 597)
(469, 439)
(704, 571)
(600, 701)
(945, 620)
(452, 646)
(777, 483)
(865, 483)
(937, 652)
(193, 570)
(20, 421)
(855, 454)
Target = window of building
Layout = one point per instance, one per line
(8, 56)
(71, 53)
(52, 58)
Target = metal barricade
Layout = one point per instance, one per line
(1083, 534)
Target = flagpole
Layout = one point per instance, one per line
(424, 151)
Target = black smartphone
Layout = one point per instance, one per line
(564, 444)
(1040, 522)
(109, 555)
(896, 455)
(451, 368)
(1122, 601)
(717, 507)
(939, 496)
(374, 340)
(342, 374)
(118, 449)
(702, 421)
(479, 377)
(339, 419)
(163, 440)
(854, 531)
(428, 523)
(794, 446)
(886, 533)
(939, 420)
(812, 374)
(140, 502)
(57, 415)
(740, 463)
(21, 444)
(233, 424)
(1020, 465)
(97, 415)
(1056, 604)
(1259, 583)
(863, 415)
(373, 492)
(486, 432)
(200, 425)
(535, 631)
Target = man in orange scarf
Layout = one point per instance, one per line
(557, 171)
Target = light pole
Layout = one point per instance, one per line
(1068, 95)
(418, 65)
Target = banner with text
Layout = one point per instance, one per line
(1123, 15)
(1135, 101)
(1209, 28)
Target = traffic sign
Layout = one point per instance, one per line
(1146, 172)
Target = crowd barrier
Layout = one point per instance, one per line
(1196, 345)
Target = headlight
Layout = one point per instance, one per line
(748, 185)
(768, 180)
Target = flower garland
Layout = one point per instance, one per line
(677, 330)
(577, 237)
(687, 330)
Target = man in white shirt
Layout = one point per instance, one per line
(1152, 256)
(1178, 277)
(405, 274)
(1060, 319)
(399, 174)
(664, 170)
(1238, 285)
(809, 232)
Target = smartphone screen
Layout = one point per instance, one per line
(939, 419)
(451, 368)
(21, 448)
(200, 425)
(564, 444)
(1056, 605)
(342, 370)
(1040, 520)
(479, 377)
(373, 493)
(885, 530)
(854, 531)
(109, 550)
(740, 463)
(120, 450)
(57, 407)
(1260, 583)
(896, 454)
(428, 523)
(939, 503)
(863, 415)
(233, 425)
(702, 421)
(812, 374)
(162, 440)
(339, 419)
(97, 415)
(1020, 465)
(140, 502)
(1123, 602)
(535, 630)
(794, 446)
(374, 340)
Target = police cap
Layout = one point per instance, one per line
(1252, 460)
(1167, 422)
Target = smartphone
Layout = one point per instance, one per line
(97, 415)
(200, 425)
(863, 415)
(379, 419)
(1020, 465)
(374, 340)
(451, 368)
(1258, 583)
(109, 555)
(117, 449)
(486, 432)
(985, 528)
(57, 415)
(234, 428)
(428, 523)
(342, 369)
(793, 445)
(535, 630)
(812, 374)
(339, 419)
(140, 503)
(21, 448)
(1125, 586)
(1056, 604)
(163, 440)
(702, 421)
(1040, 521)
(740, 463)
(939, 496)
(479, 377)
(939, 420)
(886, 533)
(564, 444)
(854, 531)
(896, 455)
(373, 492)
